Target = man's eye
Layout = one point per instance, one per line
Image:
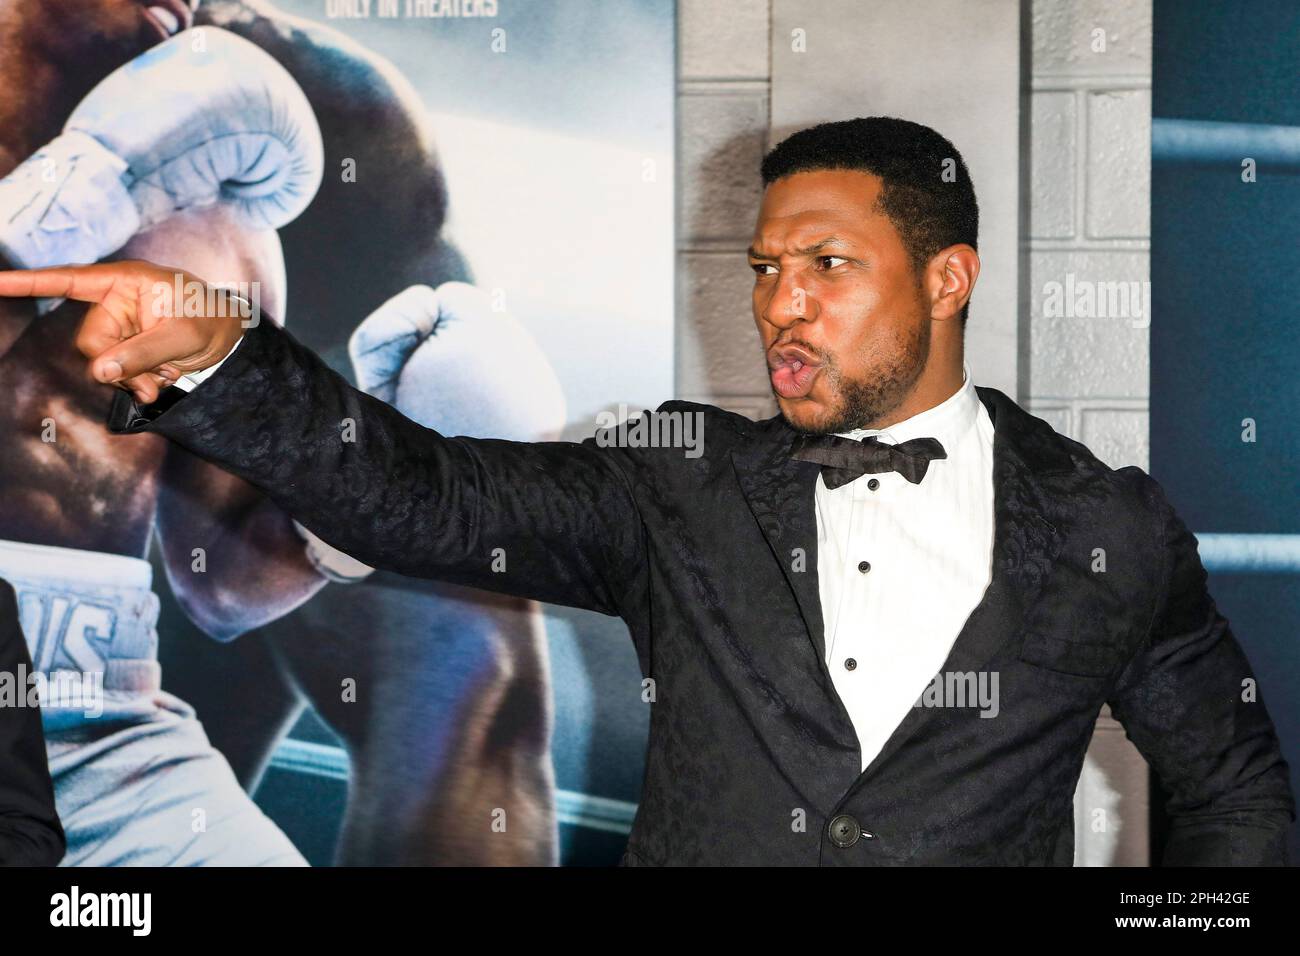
(758, 268)
(830, 262)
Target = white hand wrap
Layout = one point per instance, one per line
(330, 561)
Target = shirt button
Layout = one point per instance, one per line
(850, 664)
(873, 484)
(864, 566)
(844, 831)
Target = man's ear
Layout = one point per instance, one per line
(950, 279)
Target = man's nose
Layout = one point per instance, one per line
(790, 302)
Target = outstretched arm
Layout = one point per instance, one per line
(1188, 701)
(552, 521)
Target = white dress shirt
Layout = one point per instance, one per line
(187, 383)
(901, 566)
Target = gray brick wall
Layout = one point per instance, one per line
(1089, 218)
(724, 75)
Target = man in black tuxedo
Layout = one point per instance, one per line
(30, 831)
(875, 629)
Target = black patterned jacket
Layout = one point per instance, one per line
(30, 831)
(711, 561)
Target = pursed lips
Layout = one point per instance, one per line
(793, 370)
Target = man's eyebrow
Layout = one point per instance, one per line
(815, 248)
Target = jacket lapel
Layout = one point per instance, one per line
(1030, 525)
(780, 494)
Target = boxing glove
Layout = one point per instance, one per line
(193, 121)
(447, 358)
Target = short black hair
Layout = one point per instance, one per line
(930, 210)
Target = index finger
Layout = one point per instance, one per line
(83, 283)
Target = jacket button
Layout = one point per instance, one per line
(844, 831)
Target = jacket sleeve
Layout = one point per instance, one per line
(552, 521)
(30, 832)
(1189, 702)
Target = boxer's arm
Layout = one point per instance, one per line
(232, 557)
(553, 521)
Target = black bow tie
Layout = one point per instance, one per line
(843, 459)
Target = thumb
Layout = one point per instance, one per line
(167, 342)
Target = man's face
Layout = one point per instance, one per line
(842, 315)
(109, 30)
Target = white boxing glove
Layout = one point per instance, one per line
(193, 121)
(449, 359)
